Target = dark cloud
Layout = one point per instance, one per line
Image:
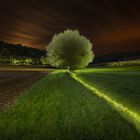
(111, 25)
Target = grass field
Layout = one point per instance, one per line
(121, 86)
(59, 107)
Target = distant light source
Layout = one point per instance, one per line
(126, 112)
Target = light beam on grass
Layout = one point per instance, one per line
(126, 112)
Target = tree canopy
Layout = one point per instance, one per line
(70, 49)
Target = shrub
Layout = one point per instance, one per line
(70, 50)
(44, 60)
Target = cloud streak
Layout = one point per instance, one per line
(108, 24)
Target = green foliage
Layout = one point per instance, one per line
(44, 60)
(16, 61)
(70, 49)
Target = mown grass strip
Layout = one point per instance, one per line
(126, 112)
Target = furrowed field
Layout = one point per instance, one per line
(89, 104)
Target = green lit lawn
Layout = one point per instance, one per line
(58, 107)
(121, 84)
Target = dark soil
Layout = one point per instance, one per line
(13, 84)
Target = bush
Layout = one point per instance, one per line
(70, 50)
(44, 60)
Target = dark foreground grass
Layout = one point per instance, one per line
(60, 108)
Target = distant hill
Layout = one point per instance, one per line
(18, 50)
(115, 57)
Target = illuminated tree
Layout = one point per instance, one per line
(70, 50)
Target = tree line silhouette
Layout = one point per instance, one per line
(19, 54)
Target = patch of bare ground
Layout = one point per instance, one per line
(14, 83)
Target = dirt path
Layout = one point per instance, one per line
(13, 84)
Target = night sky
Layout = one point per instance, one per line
(111, 25)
